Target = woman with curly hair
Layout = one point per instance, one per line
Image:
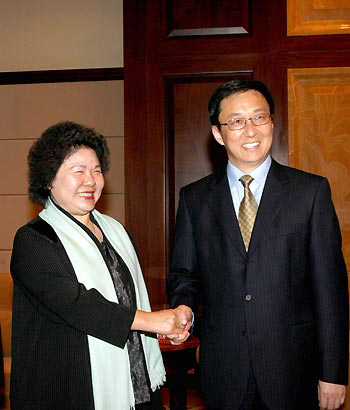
(83, 333)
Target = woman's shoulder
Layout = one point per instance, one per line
(38, 226)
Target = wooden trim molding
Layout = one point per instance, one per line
(215, 31)
(62, 76)
(318, 17)
(212, 18)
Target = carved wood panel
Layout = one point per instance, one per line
(319, 129)
(316, 17)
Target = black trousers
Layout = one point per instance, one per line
(252, 399)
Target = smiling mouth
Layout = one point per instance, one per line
(88, 195)
(251, 144)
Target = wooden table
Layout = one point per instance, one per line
(178, 360)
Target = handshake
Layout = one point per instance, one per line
(178, 324)
(172, 324)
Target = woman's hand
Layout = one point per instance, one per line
(165, 322)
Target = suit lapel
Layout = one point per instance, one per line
(220, 202)
(276, 188)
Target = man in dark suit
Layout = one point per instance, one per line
(262, 255)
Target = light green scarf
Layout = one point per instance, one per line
(111, 380)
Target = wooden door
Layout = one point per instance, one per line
(176, 54)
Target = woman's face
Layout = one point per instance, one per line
(78, 183)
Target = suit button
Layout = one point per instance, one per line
(248, 298)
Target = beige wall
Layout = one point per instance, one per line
(44, 35)
(65, 34)
(26, 110)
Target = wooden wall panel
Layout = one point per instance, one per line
(319, 124)
(6, 330)
(166, 124)
(114, 180)
(5, 257)
(171, 107)
(112, 205)
(310, 17)
(189, 158)
(192, 158)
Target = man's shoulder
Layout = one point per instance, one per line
(206, 183)
(296, 174)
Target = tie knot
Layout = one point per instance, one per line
(246, 180)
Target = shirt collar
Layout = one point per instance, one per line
(259, 174)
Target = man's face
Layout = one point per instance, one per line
(248, 147)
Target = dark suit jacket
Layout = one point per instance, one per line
(283, 305)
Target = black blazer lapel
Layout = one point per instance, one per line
(276, 188)
(220, 202)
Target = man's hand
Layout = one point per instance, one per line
(331, 396)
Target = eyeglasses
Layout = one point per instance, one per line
(239, 123)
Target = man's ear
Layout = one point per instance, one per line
(217, 134)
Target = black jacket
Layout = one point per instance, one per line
(283, 305)
(52, 315)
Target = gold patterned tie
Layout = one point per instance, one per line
(247, 211)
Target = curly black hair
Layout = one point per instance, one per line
(48, 153)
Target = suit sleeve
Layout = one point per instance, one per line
(42, 271)
(182, 282)
(331, 288)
